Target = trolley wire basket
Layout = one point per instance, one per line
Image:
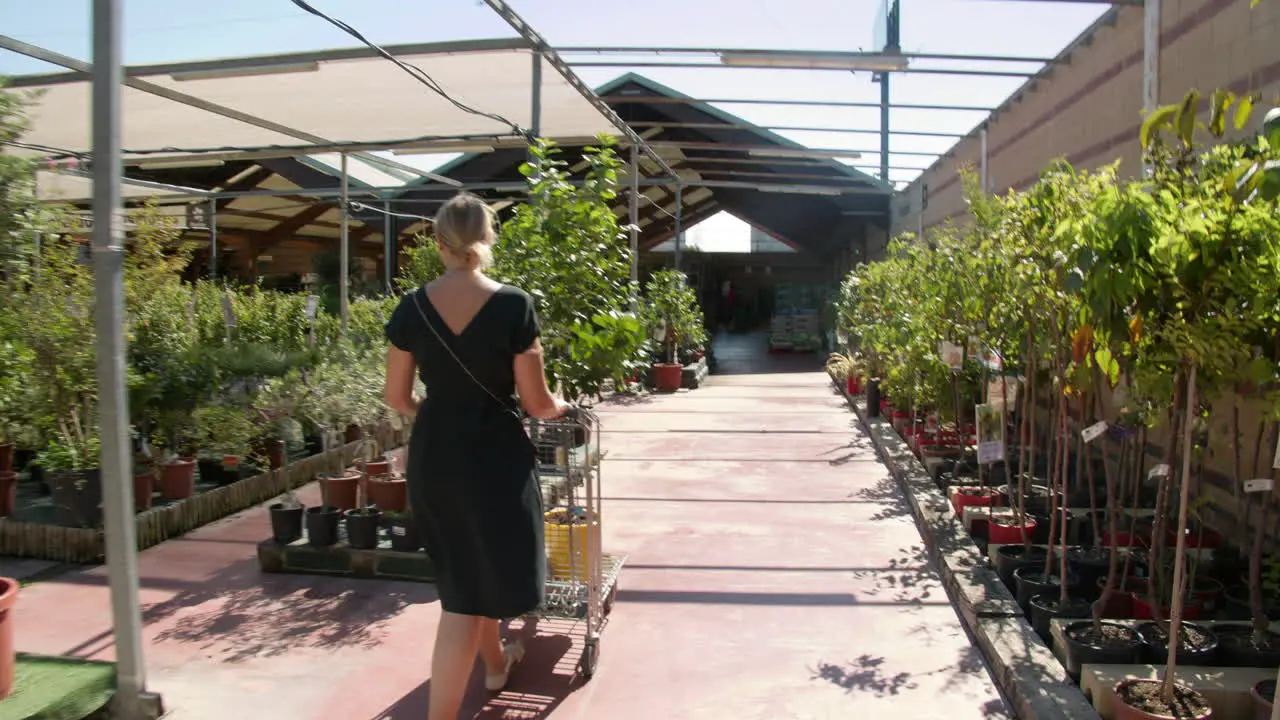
(581, 578)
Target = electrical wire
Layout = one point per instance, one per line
(416, 72)
(371, 208)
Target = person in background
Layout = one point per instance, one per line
(472, 488)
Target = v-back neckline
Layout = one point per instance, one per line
(457, 334)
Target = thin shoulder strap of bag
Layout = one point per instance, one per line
(417, 302)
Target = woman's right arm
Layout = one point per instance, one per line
(531, 383)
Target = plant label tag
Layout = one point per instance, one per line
(1161, 470)
(1259, 485)
(228, 312)
(1092, 432)
(952, 355)
(313, 303)
(398, 530)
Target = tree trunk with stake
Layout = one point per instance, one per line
(1179, 557)
(1261, 621)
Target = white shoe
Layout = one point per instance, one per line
(512, 653)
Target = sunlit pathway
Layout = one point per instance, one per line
(774, 572)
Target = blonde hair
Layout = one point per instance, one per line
(464, 226)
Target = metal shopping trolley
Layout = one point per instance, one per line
(582, 580)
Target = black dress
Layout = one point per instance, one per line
(471, 471)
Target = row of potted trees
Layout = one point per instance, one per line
(1102, 344)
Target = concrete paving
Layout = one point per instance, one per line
(774, 572)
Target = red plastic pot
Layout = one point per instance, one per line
(1009, 534)
(388, 494)
(853, 385)
(178, 479)
(376, 467)
(1192, 609)
(1206, 538)
(341, 491)
(8, 492)
(667, 377)
(964, 497)
(144, 486)
(8, 596)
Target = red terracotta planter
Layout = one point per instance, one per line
(144, 487)
(667, 377)
(1192, 608)
(853, 385)
(389, 494)
(1206, 538)
(8, 493)
(964, 497)
(376, 467)
(341, 491)
(178, 479)
(1011, 533)
(8, 596)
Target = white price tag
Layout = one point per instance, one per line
(398, 530)
(1092, 432)
(313, 303)
(1161, 470)
(1259, 485)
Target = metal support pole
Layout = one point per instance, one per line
(679, 229)
(983, 164)
(1151, 56)
(535, 113)
(884, 127)
(634, 218)
(344, 246)
(213, 239)
(113, 410)
(388, 240)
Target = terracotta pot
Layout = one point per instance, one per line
(8, 595)
(376, 467)
(388, 493)
(668, 377)
(353, 433)
(1009, 532)
(1124, 711)
(275, 453)
(6, 457)
(144, 486)
(341, 491)
(8, 493)
(973, 497)
(178, 479)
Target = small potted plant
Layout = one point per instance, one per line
(286, 519)
(72, 464)
(225, 433)
(403, 531)
(672, 315)
(362, 527)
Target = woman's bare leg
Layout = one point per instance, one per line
(491, 647)
(452, 662)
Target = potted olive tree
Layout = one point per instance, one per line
(672, 315)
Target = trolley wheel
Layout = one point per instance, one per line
(590, 658)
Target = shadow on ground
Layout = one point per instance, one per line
(867, 674)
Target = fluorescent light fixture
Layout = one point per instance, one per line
(180, 163)
(444, 150)
(808, 60)
(798, 190)
(245, 71)
(786, 152)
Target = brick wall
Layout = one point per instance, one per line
(1088, 109)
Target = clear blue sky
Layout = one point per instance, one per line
(173, 30)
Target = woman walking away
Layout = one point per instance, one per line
(474, 496)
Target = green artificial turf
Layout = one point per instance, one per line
(58, 688)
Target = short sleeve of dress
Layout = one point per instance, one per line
(525, 329)
(399, 328)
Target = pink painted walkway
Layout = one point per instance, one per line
(774, 573)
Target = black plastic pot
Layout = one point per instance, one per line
(1155, 651)
(1236, 606)
(404, 534)
(322, 525)
(362, 528)
(1079, 652)
(1236, 649)
(873, 398)
(1011, 557)
(77, 498)
(1044, 608)
(1089, 564)
(286, 522)
(1030, 581)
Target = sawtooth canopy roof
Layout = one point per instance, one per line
(725, 164)
(310, 98)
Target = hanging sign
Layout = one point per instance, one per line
(990, 434)
(313, 304)
(1092, 432)
(1161, 470)
(1002, 393)
(1259, 485)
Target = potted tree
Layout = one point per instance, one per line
(225, 434)
(672, 315)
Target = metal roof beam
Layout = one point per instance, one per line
(767, 66)
(736, 51)
(666, 100)
(787, 128)
(81, 67)
(553, 58)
